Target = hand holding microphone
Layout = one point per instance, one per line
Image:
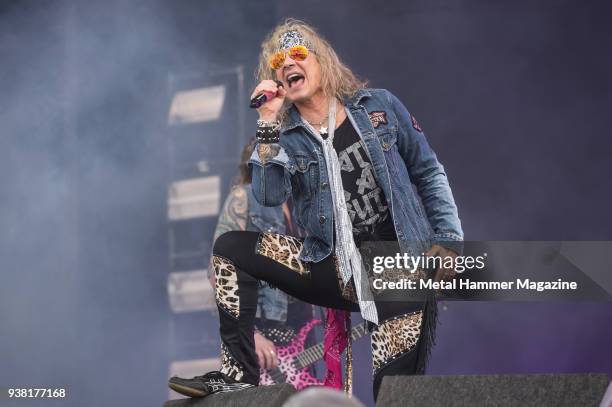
(268, 98)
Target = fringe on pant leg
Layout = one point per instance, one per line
(427, 338)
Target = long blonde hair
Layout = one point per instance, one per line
(336, 78)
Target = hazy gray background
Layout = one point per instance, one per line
(513, 95)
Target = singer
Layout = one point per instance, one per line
(349, 156)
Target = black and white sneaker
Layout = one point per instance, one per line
(201, 386)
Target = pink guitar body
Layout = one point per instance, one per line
(287, 371)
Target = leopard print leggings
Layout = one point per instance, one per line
(241, 259)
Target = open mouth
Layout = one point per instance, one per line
(295, 79)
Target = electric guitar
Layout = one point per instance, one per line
(293, 359)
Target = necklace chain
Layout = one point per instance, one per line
(322, 128)
(320, 123)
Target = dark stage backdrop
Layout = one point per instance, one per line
(514, 96)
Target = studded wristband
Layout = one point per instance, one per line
(268, 134)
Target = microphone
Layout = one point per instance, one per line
(263, 97)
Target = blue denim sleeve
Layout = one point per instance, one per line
(271, 180)
(428, 175)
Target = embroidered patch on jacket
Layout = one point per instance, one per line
(415, 124)
(377, 118)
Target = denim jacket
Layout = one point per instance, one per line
(272, 302)
(406, 169)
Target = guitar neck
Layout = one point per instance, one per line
(315, 353)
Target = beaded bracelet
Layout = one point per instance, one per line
(263, 123)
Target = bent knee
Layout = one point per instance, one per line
(224, 244)
(231, 243)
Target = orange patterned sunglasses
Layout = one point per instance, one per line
(296, 52)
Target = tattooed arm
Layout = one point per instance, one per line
(267, 151)
(233, 216)
(235, 212)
